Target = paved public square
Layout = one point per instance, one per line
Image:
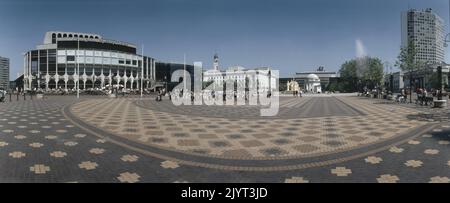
(312, 139)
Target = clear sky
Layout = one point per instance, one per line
(289, 35)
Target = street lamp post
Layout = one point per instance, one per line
(142, 72)
(165, 80)
(78, 69)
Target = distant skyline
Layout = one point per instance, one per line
(288, 35)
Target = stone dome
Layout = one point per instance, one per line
(313, 77)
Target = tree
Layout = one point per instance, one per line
(207, 83)
(373, 73)
(362, 72)
(406, 62)
(349, 76)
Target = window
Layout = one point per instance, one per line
(70, 58)
(61, 59)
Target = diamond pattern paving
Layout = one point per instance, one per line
(38, 143)
(311, 136)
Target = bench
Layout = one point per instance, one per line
(440, 103)
(421, 100)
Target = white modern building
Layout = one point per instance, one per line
(67, 58)
(240, 76)
(426, 30)
(314, 81)
(4, 73)
(397, 80)
(313, 84)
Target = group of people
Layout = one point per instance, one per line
(297, 93)
(422, 96)
(160, 94)
(2, 95)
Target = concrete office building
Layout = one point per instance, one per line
(4, 73)
(101, 62)
(426, 30)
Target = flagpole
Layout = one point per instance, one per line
(78, 69)
(142, 72)
(184, 67)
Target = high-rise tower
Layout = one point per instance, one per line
(4, 73)
(426, 30)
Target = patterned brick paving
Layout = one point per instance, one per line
(39, 144)
(234, 137)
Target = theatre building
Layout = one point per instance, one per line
(101, 63)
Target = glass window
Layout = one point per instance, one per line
(61, 59)
(61, 52)
(106, 61)
(89, 53)
(98, 60)
(80, 59)
(70, 58)
(70, 52)
(89, 59)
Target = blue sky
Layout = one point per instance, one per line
(289, 35)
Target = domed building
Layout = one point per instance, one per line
(313, 84)
(68, 59)
(315, 81)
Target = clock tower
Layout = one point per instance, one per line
(216, 62)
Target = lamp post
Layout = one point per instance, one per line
(184, 76)
(165, 80)
(142, 72)
(78, 69)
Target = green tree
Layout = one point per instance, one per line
(373, 73)
(349, 76)
(207, 83)
(362, 72)
(406, 62)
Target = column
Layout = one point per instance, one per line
(30, 80)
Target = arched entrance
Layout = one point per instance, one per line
(52, 84)
(71, 85)
(61, 85)
(98, 84)
(89, 84)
